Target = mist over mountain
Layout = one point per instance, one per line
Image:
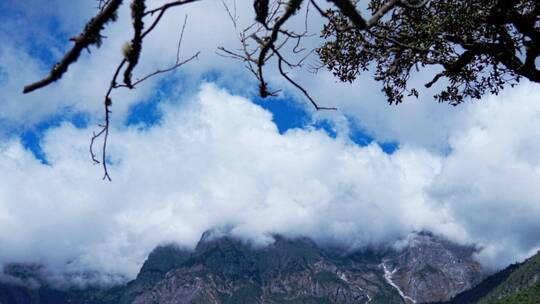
(197, 149)
(316, 207)
(225, 269)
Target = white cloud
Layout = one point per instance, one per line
(218, 160)
(490, 179)
(82, 88)
(425, 122)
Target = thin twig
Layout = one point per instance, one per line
(105, 128)
(304, 91)
(173, 67)
(104, 131)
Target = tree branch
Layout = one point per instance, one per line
(348, 9)
(381, 12)
(132, 52)
(90, 35)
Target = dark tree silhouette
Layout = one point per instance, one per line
(477, 46)
(480, 45)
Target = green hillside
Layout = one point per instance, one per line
(517, 284)
(521, 284)
(530, 295)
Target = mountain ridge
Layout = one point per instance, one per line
(519, 283)
(224, 269)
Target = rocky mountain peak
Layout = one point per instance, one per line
(225, 269)
(428, 268)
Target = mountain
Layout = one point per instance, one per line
(28, 284)
(431, 269)
(222, 269)
(517, 284)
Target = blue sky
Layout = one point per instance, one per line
(286, 112)
(197, 149)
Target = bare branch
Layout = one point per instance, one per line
(90, 35)
(348, 9)
(173, 67)
(104, 131)
(299, 87)
(268, 42)
(105, 128)
(261, 10)
(166, 6)
(132, 52)
(102, 4)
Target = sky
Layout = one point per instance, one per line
(197, 149)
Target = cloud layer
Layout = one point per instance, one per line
(218, 160)
(420, 122)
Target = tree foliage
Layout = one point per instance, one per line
(480, 45)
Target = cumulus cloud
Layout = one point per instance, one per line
(490, 178)
(215, 159)
(420, 122)
(218, 160)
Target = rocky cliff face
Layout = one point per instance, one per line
(226, 270)
(288, 271)
(430, 269)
